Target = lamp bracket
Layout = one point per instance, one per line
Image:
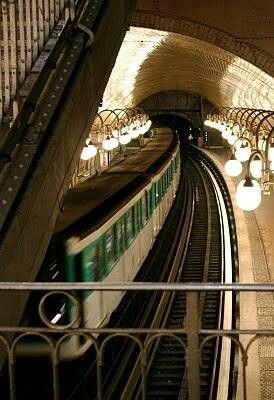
(89, 32)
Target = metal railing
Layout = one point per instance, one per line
(193, 344)
(25, 27)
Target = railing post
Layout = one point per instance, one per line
(193, 352)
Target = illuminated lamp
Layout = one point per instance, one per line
(115, 142)
(243, 153)
(256, 167)
(125, 138)
(248, 194)
(233, 167)
(107, 144)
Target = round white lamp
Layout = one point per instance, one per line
(256, 168)
(125, 139)
(115, 142)
(248, 194)
(107, 144)
(233, 167)
(243, 153)
(271, 152)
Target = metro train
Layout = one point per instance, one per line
(109, 242)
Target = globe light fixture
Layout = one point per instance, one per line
(225, 134)
(115, 142)
(256, 166)
(243, 153)
(88, 151)
(207, 122)
(248, 194)
(85, 154)
(148, 125)
(115, 133)
(92, 150)
(107, 144)
(124, 139)
(233, 167)
(134, 133)
(271, 152)
(232, 139)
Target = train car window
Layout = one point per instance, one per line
(165, 181)
(137, 218)
(144, 209)
(111, 255)
(157, 194)
(129, 227)
(159, 191)
(148, 200)
(121, 235)
(89, 260)
(90, 269)
(101, 264)
(151, 199)
(139, 214)
(70, 268)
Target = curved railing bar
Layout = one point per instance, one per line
(255, 153)
(124, 110)
(260, 124)
(264, 118)
(101, 119)
(110, 113)
(252, 116)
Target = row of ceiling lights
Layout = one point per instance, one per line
(120, 131)
(256, 149)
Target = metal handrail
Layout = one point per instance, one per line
(188, 287)
(11, 336)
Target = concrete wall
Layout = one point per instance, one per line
(30, 230)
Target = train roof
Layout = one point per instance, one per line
(94, 201)
(150, 158)
(91, 203)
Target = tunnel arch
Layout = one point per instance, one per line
(166, 21)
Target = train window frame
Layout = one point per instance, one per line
(118, 224)
(145, 215)
(129, 216)
(85, 257)
(151, 199)
(155, 196)
(109, 265)
(140, 209)
(159, 186)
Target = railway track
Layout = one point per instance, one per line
(198, 258)
(166, 375)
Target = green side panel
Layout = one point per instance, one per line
(71, 275)
(86, 270)
(87, 274)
